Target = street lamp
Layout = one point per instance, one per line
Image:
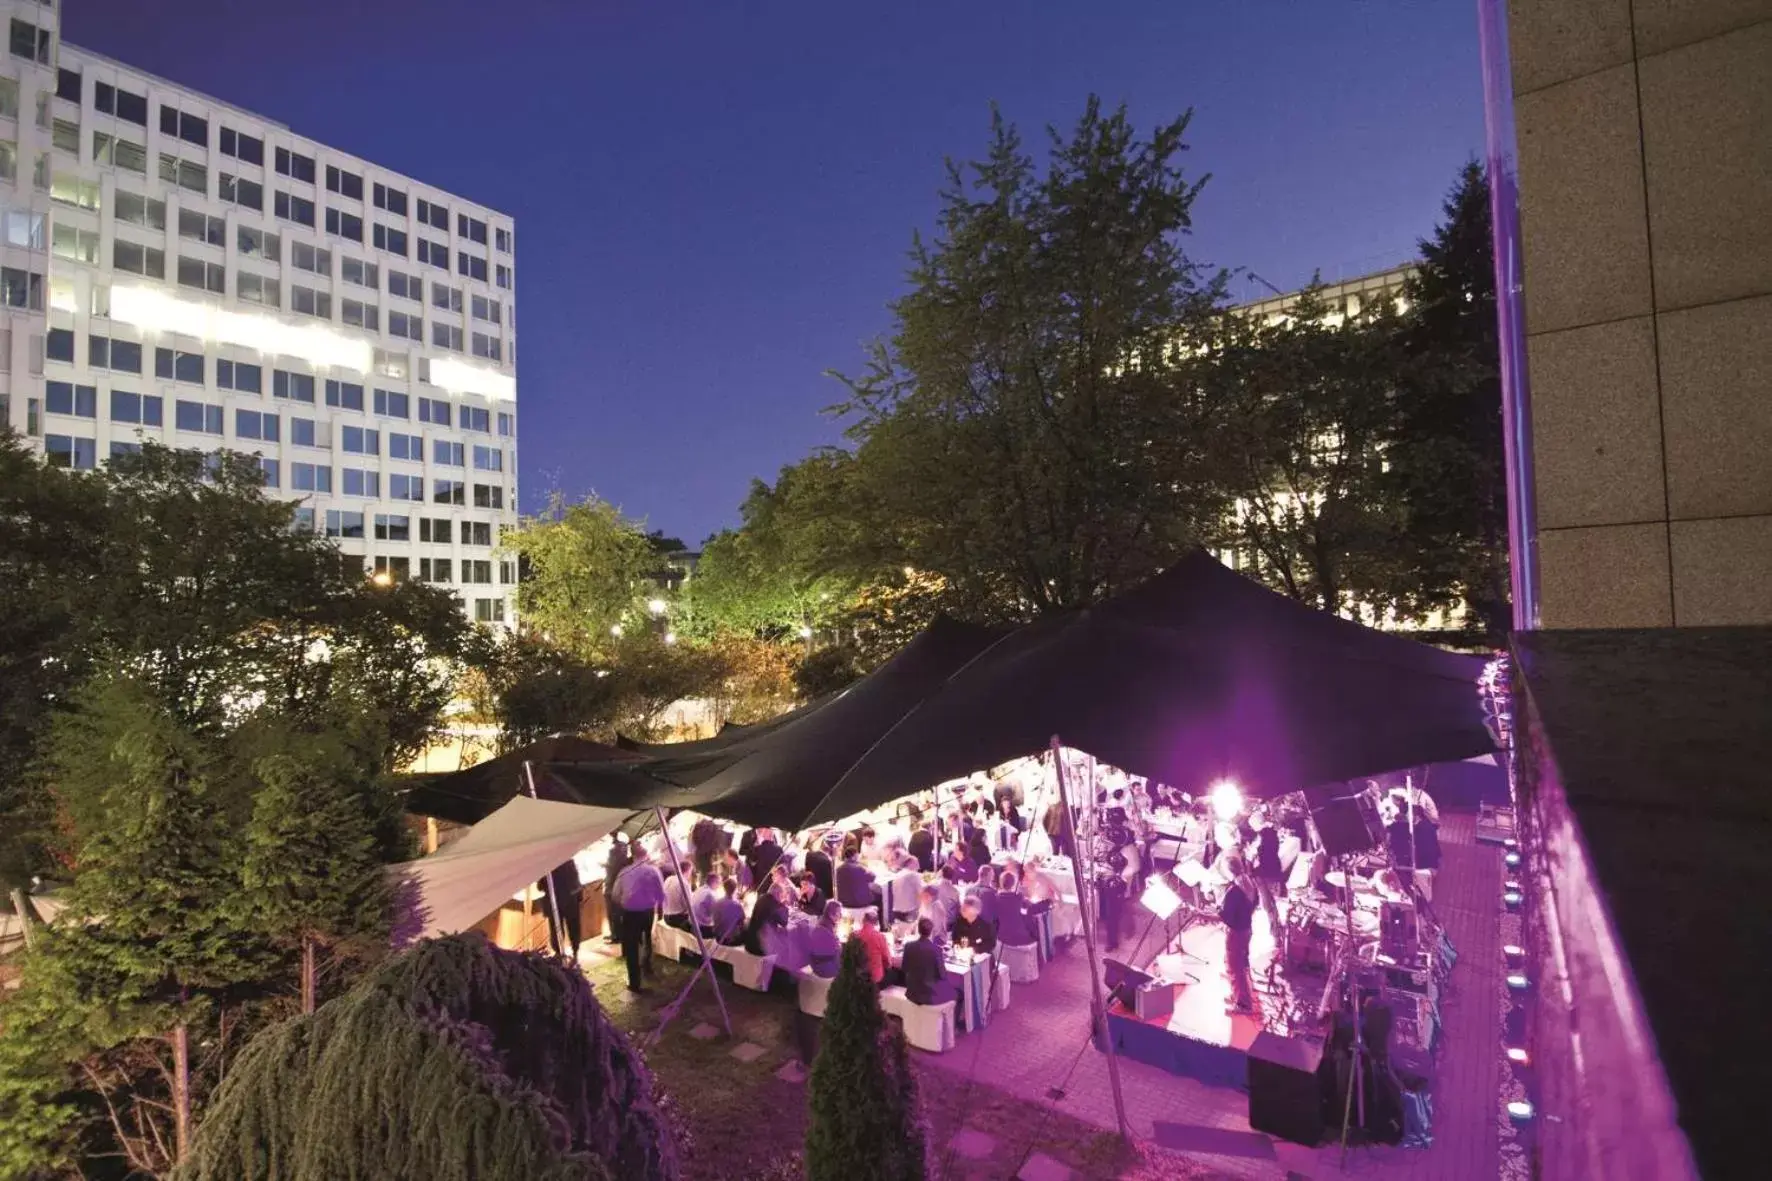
(382, 578)
(657, 606)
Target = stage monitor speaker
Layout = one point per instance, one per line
(1123, 982)
(1285, 1099)
(1154, 1000)
(1347, 826)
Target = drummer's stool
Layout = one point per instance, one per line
(927, 1027)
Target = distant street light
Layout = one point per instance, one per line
(805, 633)
(657, 606)
(382, 578)
(616, 631)
(670, 637)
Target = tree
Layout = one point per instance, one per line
(586, 573)
(1446, 448)
(825, 671)
(1026, 435)
(455, 1060)
(863, 1121)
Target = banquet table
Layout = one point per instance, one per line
(972, 976)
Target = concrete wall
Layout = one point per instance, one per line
(1645, 166)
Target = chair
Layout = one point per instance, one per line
(1021, 962)
(814, 990)
(927, 1027)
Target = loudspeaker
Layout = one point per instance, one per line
(1347, 826)
(1154, 1001)
(1285, 1099)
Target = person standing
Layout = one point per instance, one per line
(922, 845)
(818, 864)
(618, 860)
(1270, 875)
(855, 885)
(639, 892)
(1238, 914)
(905, 886)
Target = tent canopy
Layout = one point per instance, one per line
(474, 793)
(517, 845)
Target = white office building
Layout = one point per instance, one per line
(173, 268)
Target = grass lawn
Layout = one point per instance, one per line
(738, 1121)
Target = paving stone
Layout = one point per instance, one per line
(1041, 1167)
(973, 1144)
(748, 1051)
(704, 1031)
(791, 1072)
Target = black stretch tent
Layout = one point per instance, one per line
(1195, 675)
(470, 795)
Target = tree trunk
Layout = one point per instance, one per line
(181, 1092)
(307, 975)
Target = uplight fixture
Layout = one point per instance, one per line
(1519, 1111)
(1517, 1054)
(1518, 981)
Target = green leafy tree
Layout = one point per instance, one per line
(587, 574)
(826, 671)
(1027, 436)
(863, 1122)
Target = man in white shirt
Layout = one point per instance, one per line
(905, 888)
(701, 905)
(676, 897)
(639, 892)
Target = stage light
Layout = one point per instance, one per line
(1158, 898)
(1514, 951)
(1513, 860)
(1519, 1110)
(1518, 981)
(1227, 800)
(1512, 901)
(1511, 887)
(1518, 1054)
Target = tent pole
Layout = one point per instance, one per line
(1086, 899)
(701, 944)
(553, 900)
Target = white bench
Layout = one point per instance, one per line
(927, 1027)
(672, 941)
(748, 971)
(815, 992)
(1019, 963)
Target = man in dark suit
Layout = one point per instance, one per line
(818, 864)
(855, 885)
(925, 976)
(767, 911)
(619, 856)
(922, 846)
(764, 856)
(1015, 928)
(812, 899)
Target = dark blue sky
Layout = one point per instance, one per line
(713, 199)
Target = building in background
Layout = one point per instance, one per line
(177, 269)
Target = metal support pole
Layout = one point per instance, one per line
(1098, 1005)
(701, 944)
(553, 900)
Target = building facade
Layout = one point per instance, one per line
(177, 269)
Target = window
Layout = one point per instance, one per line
(486, 309)
(392, 528)
(140, 211)
(471, 265)
(108, 149)
(501, 240)
(489, 610)
(476, 418)
(304, 520)
(401, 324)
(392, 405)
(269, 469)
(184, 173)
(363, 274)
(389, 239)
(507, 573)
(312, 477)
(310, 258)
(256, 243)
(476, 533)
(21, 289)
(296, 165)
(138, 260)
(241, 146)
(408, 447)
(297, 387)
(503, 274)
(141, 409)
(433, 215)
(448, 492)
(447, 336)
(434, 569)
(257, 289)
(296, 209)
(66, 137)
(9, 171)
(396, 569)
(122, 356)
(345, 225)
(256, 424)
(343, 524)
(489, 496)
(345, 184)
(119, 447)
(61, 397)
(433, 410)
(248, 194)
(489, 347)
(304, 432)
(392, 200)
(172, 365)
(309, 302)
(69, 190)
(184, 125)
(68, 85)
(405, 286)
(205, 276)
(200, 227)
(63, 451)
(358, 482)
(447, 298)
(471, 228)
(387, 363)
(240, 376)
(30, 43)
(346, 395)
(450, 454)
(435, 253)
(360, 314)
(195, 416)
(403, 487)
(507, 423)
(477, 570)
(59, 346)
(111, 101)
(435, 530)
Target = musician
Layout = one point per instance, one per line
(1237, 912)
(1269, 875)
(1413, 837)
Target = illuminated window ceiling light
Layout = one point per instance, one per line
(157, 311)
(463, 378)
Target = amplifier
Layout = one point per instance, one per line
(1284, 1097)
(1154, 1000)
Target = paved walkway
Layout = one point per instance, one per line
(1042, 1042)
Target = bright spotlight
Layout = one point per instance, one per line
(670, 637)
(1158, 898)
(657, 606)
(1227, 800)
(1518, 1054)
(1520, 1110)
(1518, 982)
(1514, 951)
(382, 578)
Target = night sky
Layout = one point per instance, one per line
(713, 199)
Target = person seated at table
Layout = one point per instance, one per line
(767, 911)
(676, 898)
(986, 892)
(878, 954)
(925, 969)
(903, 888)
(922, 844)
(811, 899)
(738, 870)
(971, 929)
(959, 860)
(980, 849)
(824, 950)
(855, 885)
(1015, 928)
(931, 907)
(1039, 886)
(947, 891)
(702, 904)
(729, 915)
(818, 864)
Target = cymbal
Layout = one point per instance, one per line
(1336, 877)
